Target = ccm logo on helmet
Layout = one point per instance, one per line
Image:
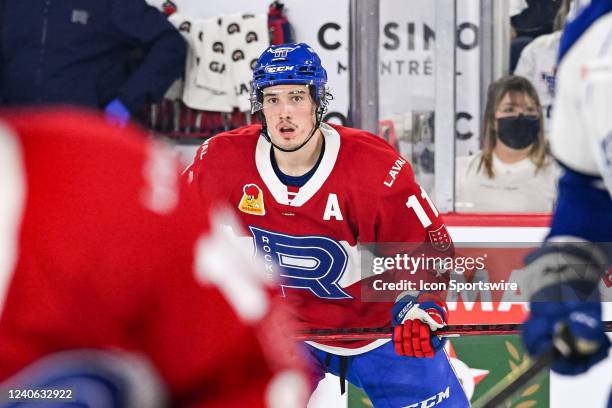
(279, 69)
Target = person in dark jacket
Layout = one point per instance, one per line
(76, 51)
(535, 20)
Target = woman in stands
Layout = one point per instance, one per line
(514, 172)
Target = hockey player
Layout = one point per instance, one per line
(312, 195)
(568, 268)
(97, 255)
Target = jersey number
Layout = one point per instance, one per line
(414, 203)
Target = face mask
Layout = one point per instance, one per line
(518, 132)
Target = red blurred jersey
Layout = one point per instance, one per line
(363, 195)
(99, 250)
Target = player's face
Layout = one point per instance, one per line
(290, 114)
(516, 103)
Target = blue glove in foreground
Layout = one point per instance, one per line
(583, 320)
(117, 113)
(565, 294)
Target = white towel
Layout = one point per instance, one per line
(213, 72)
(194, 96)
(247, 38)
(222, 53)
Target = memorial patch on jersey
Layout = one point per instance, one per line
(310, 262)
(252, 201)
(440, 240)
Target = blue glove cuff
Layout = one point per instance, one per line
(407, 302)
(434, 305)
(400, 308)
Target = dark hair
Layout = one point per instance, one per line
(495, 93)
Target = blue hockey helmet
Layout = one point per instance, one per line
(289, 64)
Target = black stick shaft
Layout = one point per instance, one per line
(514, 382)
(373, 333)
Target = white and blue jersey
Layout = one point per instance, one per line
(581, 135)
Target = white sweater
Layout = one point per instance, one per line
(515, 188)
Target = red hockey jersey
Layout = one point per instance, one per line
(97, 250)
(362, 197)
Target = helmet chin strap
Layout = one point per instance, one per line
(264, 133)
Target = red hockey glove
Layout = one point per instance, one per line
(414, 323)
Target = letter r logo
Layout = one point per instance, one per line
(312, 262)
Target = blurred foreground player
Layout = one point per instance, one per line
(108, 290)
(313, 197)
(568, 269)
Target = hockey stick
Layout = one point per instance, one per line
(515, 381)
(374, 333)
(563, 345)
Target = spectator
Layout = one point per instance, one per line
(60, 52)
(514, 172)
(538, 62)
(534, 20)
